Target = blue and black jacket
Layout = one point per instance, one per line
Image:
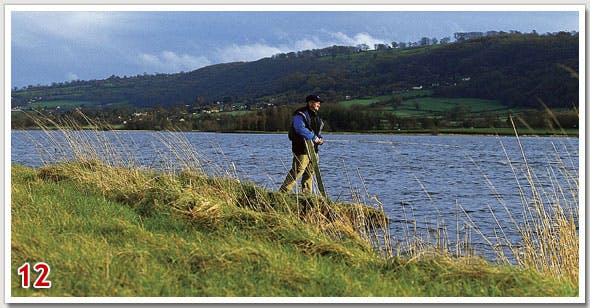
(306, 124)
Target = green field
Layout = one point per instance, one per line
(366, 102)
(238, 112)
(435, 104)
(67, 104)
(426, 105)
(62, 104)
(362, 102)
(430, 106)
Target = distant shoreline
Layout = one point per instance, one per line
(424, 132)
(444, 132)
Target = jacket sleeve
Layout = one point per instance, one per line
(300, 129)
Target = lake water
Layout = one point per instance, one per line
(424, 180)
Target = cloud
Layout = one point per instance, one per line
(357, 39)
(170, 62)
(313, 43)
(72, 76)
(30, 28)
(250, 52)
(336, 38)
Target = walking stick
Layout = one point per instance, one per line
(316, 167)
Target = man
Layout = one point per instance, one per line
(306, 125)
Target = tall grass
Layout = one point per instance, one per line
(547, 224)
(549, 228)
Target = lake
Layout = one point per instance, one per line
(425, 182)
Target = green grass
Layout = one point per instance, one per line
(69, 104)
(238, 112)
(443, 104)
(366, 102)
(434, 106)
(420, 103)
(109, 231)
(362, 102)
(64, 103)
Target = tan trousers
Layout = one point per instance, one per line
(301, 168)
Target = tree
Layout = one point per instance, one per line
(458, 112)
(381, 46)
(417, 105)
(363, 47)
(396, 101)
(425, 41)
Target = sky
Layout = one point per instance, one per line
(58, 46)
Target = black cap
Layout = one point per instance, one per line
(314, 98)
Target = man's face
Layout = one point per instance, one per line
(314, 106)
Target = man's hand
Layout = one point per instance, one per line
(318, 140)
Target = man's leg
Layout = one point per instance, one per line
(300, 164)
(307, 178)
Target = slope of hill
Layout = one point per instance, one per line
(516, 69)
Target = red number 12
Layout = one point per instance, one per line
(41, 282)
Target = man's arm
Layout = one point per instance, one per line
(301, 130)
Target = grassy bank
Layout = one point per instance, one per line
(113, 231)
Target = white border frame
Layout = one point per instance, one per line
(9, 8)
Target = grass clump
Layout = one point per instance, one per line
(210, 201)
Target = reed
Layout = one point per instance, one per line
(550, 239)
(547, 224)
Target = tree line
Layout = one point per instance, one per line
(337, 118)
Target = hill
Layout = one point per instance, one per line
(518, 70)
